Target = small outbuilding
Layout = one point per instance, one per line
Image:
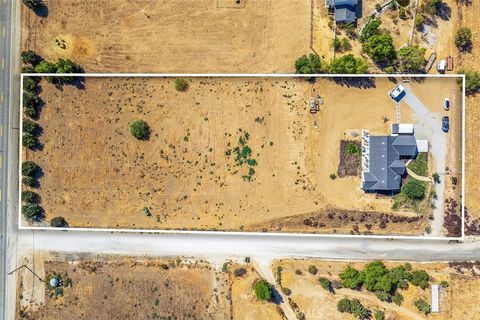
(435, 295)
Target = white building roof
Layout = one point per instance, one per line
(435, 307)
(422, 145)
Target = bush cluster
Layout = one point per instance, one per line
(140, 129)
(376, 277)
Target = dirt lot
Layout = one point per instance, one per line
(208, 36)
(104, 178)
(316, 303)
(244, 303)
(113, 288)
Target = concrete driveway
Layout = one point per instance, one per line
(428, 125)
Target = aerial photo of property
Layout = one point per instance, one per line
(205, 153)
(239, 159)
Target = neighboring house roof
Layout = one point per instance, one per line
(345, 13)
(385, 165)
(341, 2)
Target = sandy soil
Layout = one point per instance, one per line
(244, 303)
(184, 176)
(258, 36)
(127, 288)
(316, 303)
(322, 31)
(469, 18)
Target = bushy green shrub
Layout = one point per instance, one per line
(263, 290)
(312, 269)
(463, 39)
(29, 126)
(140, 129)
(29, 181)
(29, 197)
(181, 84)
(58, 222)
(422, 306)
(308, 65)
(414, 189)
(32, 211)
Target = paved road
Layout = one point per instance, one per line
(9, 107)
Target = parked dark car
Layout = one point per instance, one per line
(445, 124)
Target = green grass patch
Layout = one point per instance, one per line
(420, 164)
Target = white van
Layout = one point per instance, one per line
(442, 65)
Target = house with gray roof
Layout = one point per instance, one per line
(344, 10)
(384, 158)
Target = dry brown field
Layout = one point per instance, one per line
(95, 174)
(458, 301)
(114, 288)
(207, 36)
(468, 16)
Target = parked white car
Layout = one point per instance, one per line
(446, 104)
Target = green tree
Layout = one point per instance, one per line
(140, 129)
(352, 278)
(436, 177)
(371, 29)
(411, 59)
(358, 310)
(29, 126)
(30, 99)
(30, 57)
(325, 283)
(418, 21)
(30, 168)
(374, 272)
(414, 189)
(58, 222)
(181, 84)
(312, 269)
(463, 39)
(308, 65)
(348, 64)
(46, 67)
(344, 306)
(401, 276)
(65, 66)
(420, 278)
(29, 141)
(29, 197)
(32, 211)
(397, 299)
(472, 81)
(29, 85)
(29, 181)
(383, 296)
(380, 48)
(422, 306)
(33, 4)
(379, 315)
(30, 111)
(263, 290)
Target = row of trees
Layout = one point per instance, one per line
(312, 64)
(33, 63)
(376, 277)
(31, 104)
(31, 208)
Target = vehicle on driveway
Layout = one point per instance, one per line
(445, 124)
(446, 104)
(397, 93)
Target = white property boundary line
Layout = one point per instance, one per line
(234, 75)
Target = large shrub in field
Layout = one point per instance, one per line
(472, 81)
(263, 290)
(58, 222)
(181, 84)
(463, 39)
(352, 278)
(29, 126)
(411, 58)
(29, 197)
(140, 129)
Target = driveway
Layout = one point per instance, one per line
(428, 127)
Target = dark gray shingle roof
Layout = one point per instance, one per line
(345, 13)
(385, 164)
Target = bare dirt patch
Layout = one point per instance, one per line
(128, 288)
(255, 36)
(349, 162)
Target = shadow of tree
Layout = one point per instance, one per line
(355, 82)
